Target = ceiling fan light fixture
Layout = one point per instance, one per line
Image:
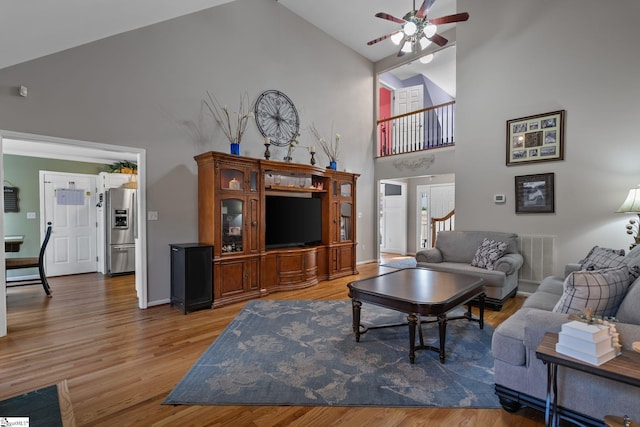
(430, 30)
(410, 28)
(426, 59)
(407, 47)
(397, 38)
(424, 42)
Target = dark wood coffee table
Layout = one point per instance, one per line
(418, 292)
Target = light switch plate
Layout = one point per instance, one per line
(31, 215)
(499, 198)
(152, 215)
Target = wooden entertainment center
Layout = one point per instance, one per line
(233, 192)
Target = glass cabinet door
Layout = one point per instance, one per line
(345, 190)
(253, 181)
(231, 179)
(231, 225)
(346, 222)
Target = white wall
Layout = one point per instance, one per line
(144, 88)
(519, 58)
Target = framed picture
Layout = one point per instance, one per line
(537, 138)
(535, 193)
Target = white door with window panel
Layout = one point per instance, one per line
(68, 201)
(408, 132)
(393, 217)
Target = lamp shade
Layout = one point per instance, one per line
(426, 59)
(397, 37)
(424, 42)
(632, 202)
(410, 28)
(430, 30)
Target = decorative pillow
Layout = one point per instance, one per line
(488, 253)
(633, 264)
(599, 258)
(600, 290)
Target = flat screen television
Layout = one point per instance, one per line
(292, 221)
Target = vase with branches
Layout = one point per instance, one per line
(330, 147)
(293, 142)
(233, 124)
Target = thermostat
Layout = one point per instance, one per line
(499, 198)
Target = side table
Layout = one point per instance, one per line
(624, 368)
(613, 421)
(191, 276)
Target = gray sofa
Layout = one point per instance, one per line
(454, 251)
(521, 378)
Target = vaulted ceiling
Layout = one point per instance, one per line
(35, 28)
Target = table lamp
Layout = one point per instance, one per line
(632, 205)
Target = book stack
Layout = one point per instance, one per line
(591, 343)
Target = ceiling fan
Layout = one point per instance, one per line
(418, 28)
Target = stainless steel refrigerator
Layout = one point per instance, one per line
(120, 225)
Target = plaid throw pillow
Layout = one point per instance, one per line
(488, 253)
(600, 290)
(599, 258)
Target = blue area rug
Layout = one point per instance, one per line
(41, 407)
(404, 263)
(305, 353)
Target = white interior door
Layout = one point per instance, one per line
(393, 217)
(68, 201)
(408, 131)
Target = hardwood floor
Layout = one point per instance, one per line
(120, 362)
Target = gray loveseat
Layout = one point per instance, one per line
(454, 251)
(521, 378)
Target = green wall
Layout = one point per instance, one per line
(23, 172)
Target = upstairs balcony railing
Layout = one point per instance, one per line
(431, 127)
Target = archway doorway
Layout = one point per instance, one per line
(67, 148)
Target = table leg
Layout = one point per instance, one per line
(551, 418)
(356, 307)
(420, 336)
(412, 319)
(555, 418)
(481, 309)
(442, 328)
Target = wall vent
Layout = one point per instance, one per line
(539, 254)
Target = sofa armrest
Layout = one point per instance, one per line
(509, 263)
(538, 322)
(570, 268)
(429, 255)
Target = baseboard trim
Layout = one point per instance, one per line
(159, 302)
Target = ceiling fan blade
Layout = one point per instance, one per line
(438, 39)
(390, 17)
(424, 9)
(379, 39)
(400, 53)
(458, 17)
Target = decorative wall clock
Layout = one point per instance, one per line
(276, 117)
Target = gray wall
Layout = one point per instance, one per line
(144, 89)
(521, 58)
